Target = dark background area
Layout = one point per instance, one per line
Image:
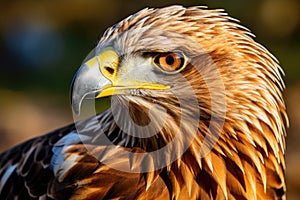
(42, 44)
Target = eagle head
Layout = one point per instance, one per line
(192, 90)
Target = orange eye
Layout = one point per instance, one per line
(170, 62)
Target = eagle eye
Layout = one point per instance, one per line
(172, 62)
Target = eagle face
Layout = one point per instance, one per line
(196, 113)
(161, 82)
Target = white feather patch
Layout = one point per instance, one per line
(59, 164)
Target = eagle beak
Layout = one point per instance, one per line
(87, 83)
(98, 78)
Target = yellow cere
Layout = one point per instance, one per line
(109, 62)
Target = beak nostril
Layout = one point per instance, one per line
(109, 70)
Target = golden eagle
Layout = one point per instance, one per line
(196, 113)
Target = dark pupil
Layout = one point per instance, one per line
(170, 60)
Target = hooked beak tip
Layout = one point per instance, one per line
(86, 83)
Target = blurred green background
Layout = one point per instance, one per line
(44, 42)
